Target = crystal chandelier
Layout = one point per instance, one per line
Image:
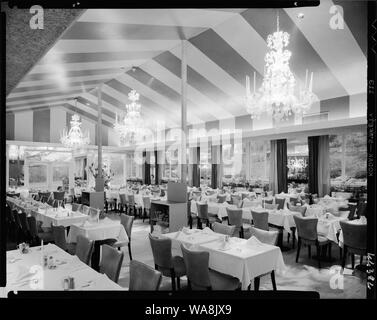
(279, 95)
(130, 126)
(74, 138)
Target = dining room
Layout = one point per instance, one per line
(189, 149)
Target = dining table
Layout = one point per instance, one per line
(26, 271)
(103, 231)
(240, 258)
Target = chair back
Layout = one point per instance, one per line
(301, 209)
(44, 196)
(354, 235)
(236, 200)
(85, 209)
(33, 226)
(111, 262)
(161, 250)
(280, 202)
(51, 202)
(268, 237)
(352, 208)
(16, 218)
(293, 201)
(247, 203)
(271, 206)
(196, 195)
(59, 195)
(306, 227)
(94, 214)
(143, 277)
(131, 199)
(202, 210)
(84, 249)
(122, 198)
(223, 229)
(361, 209)
(196, 263)
(127, 222)
(76, 207)
(221, 198)
(58, 232)
(147, 202)
(260, 219)
(234, 217)
(23, 221)
(266, 201)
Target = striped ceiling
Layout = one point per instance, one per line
(223, 46)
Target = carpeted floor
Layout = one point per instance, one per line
(302, 276)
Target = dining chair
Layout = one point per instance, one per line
(235, 219)
(51, 202)
(44, 196)
(190, 216)
(280, 202)
(269, 206)
(59, 236)
(361, 209)
(203, 215)
(94, 213)
(18, 227)
(127, 222)
(111, 262)
(147, 207)
(85, 209)
(301, 209)
(260, 219)
(131, 204)
(11, 223)
(36, 235)
(221, 198)
(24, 226)
(307, 234)
(196, 195)
(76, 207)
(267, 237)
(59, 196)
(169, 266)
(122, 203)
(224, 229)
(84, 249)
(294, 201)
(200, 277)
(143, 277)
(236, 200)
(354, 241)
(267, 201)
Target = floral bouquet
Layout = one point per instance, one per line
(107, 173)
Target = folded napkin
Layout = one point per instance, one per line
(207, 230)
(253, 241)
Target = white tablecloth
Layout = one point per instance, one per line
(104, 229)
(214, 208)
(243, 261)
(59, 218)
(25, 272)
(280, 218)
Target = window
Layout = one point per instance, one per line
(37, 174)
(348, 161)
(205, 166)
(116, 167)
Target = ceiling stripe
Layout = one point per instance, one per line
(86, 115)
(94, 106)
(90, 110)
(194, 79)
(73, 73)
(221, 53)
(42, 98)
(229, 92)
(37, 105)
(79, 46)
(303, 54)
(343, 51)
(62, 68)
(204, 104)
(56, 81)
(48, 92)
(55, 86)
(126, 31)
(246, 41)
(166, 104)
(97, 56)
(161, 88)
(162, 17)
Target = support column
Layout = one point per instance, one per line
(7, 167)
(99, 179)
(183, 159)
(215, 166)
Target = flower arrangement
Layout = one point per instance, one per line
(107, 173)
